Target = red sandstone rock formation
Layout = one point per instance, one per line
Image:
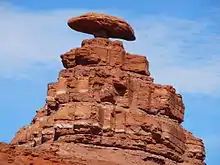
(105, 110)
(102, 25)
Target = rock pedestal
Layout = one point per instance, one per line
(105, 110)
(105, 98)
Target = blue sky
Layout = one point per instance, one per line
(181, 39)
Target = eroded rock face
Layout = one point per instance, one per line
(106, 105)
(102, 25)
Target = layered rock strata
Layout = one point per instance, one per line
(102, 25)
(105, 105)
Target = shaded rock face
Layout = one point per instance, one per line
(105, 109)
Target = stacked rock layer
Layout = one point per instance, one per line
(106, 106)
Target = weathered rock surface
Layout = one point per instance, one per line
(102, 25)
(105, 110)
(105, 99)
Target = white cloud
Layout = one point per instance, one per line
(183, 53)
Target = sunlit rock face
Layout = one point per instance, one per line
(105, 109)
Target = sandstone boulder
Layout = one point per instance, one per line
(102, 25)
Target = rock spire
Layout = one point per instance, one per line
(105, 109)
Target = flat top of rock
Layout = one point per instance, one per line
(102, 25)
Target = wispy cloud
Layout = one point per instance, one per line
(184, 53)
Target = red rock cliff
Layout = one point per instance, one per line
(105, 109)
